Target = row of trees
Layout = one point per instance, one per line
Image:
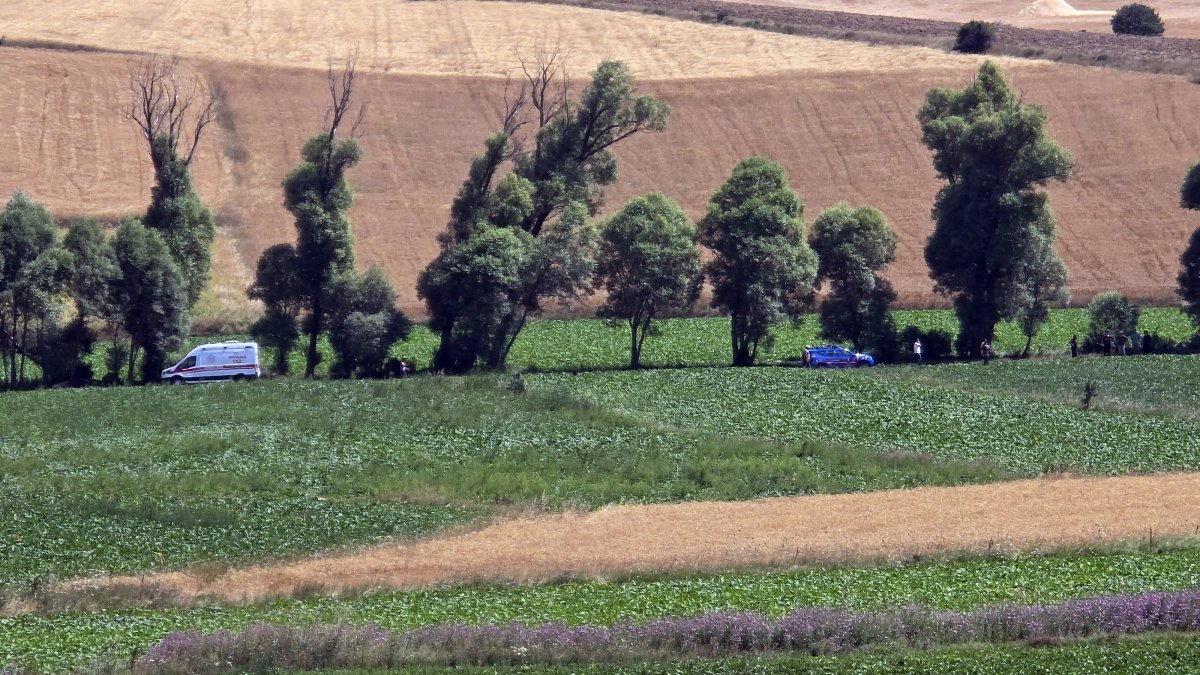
(57, 295)
(521, 237)
(517, 241)
(143, 282)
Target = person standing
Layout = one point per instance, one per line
(1074, 346)
(985, 350)
(917, 350)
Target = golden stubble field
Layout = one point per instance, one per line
(840, 116)
(621, 540)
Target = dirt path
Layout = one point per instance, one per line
(626, 539)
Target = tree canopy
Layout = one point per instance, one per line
(1189, 261)
(560, 168)
(992, 224)
(762, 270)
(1136, 19)
(648, 264)
(853, 245)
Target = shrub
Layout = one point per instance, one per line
(1112, 313)
(975, 37)
(1137, 19)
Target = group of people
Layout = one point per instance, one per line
(985, 350)
(1108, 344)
(1120, 344)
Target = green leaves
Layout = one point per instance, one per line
(762, 269)
(994, 230)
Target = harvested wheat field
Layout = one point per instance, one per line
(1181, 17)
(839, 116)
(1017, 516)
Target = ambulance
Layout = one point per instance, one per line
(230, 360)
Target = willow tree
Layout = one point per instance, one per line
(172, 110)
(993, 227)
(560, 153)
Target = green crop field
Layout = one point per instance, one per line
(120, 480)
(591, 344)
(138, 478)
(860, 409)
(64, 640)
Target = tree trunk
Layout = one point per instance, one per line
(314, 331)
(1028, 344)
(132, 361)
(635, 347)
(24, 343)
(12, 339)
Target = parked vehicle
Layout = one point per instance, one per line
(230, 360)
(836, 357)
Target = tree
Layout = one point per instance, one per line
(152, 294)
(364, 324)
(277, 285)
(1043, 283)
(1112, 313)
(762, 270)
(852, 247)
(94, 272)
(559, 170)
(991, 221)
(648, 263)
(93, 278)
(1136, 19)
(470, 285)
(318, 196)
(172, 111)
(1189, 260)
(974, 37)
(33, 274)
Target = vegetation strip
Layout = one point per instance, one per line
(63, 640)
(815, 630)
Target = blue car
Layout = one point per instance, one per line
(836, 357)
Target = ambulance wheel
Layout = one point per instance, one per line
(238, 378)
(177, 380)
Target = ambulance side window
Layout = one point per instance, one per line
(189, 362)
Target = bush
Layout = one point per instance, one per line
(975, 37)
(1112, 313)
(1137, 19)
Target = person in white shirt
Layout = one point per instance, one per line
(917, 349)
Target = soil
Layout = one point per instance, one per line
(623, 540)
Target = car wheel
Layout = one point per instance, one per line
(862, 364)
(238, 378)
(177, 380)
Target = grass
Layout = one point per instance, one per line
(592, 344)
(861, 410)
(1166, 386)
(157, 477)
(65, 639)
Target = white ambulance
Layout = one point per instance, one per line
(230, 360)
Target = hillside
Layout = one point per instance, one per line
(840, 116)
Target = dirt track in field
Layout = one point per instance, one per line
(621, 540)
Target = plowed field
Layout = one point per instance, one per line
(840, 116)
(620, 540)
